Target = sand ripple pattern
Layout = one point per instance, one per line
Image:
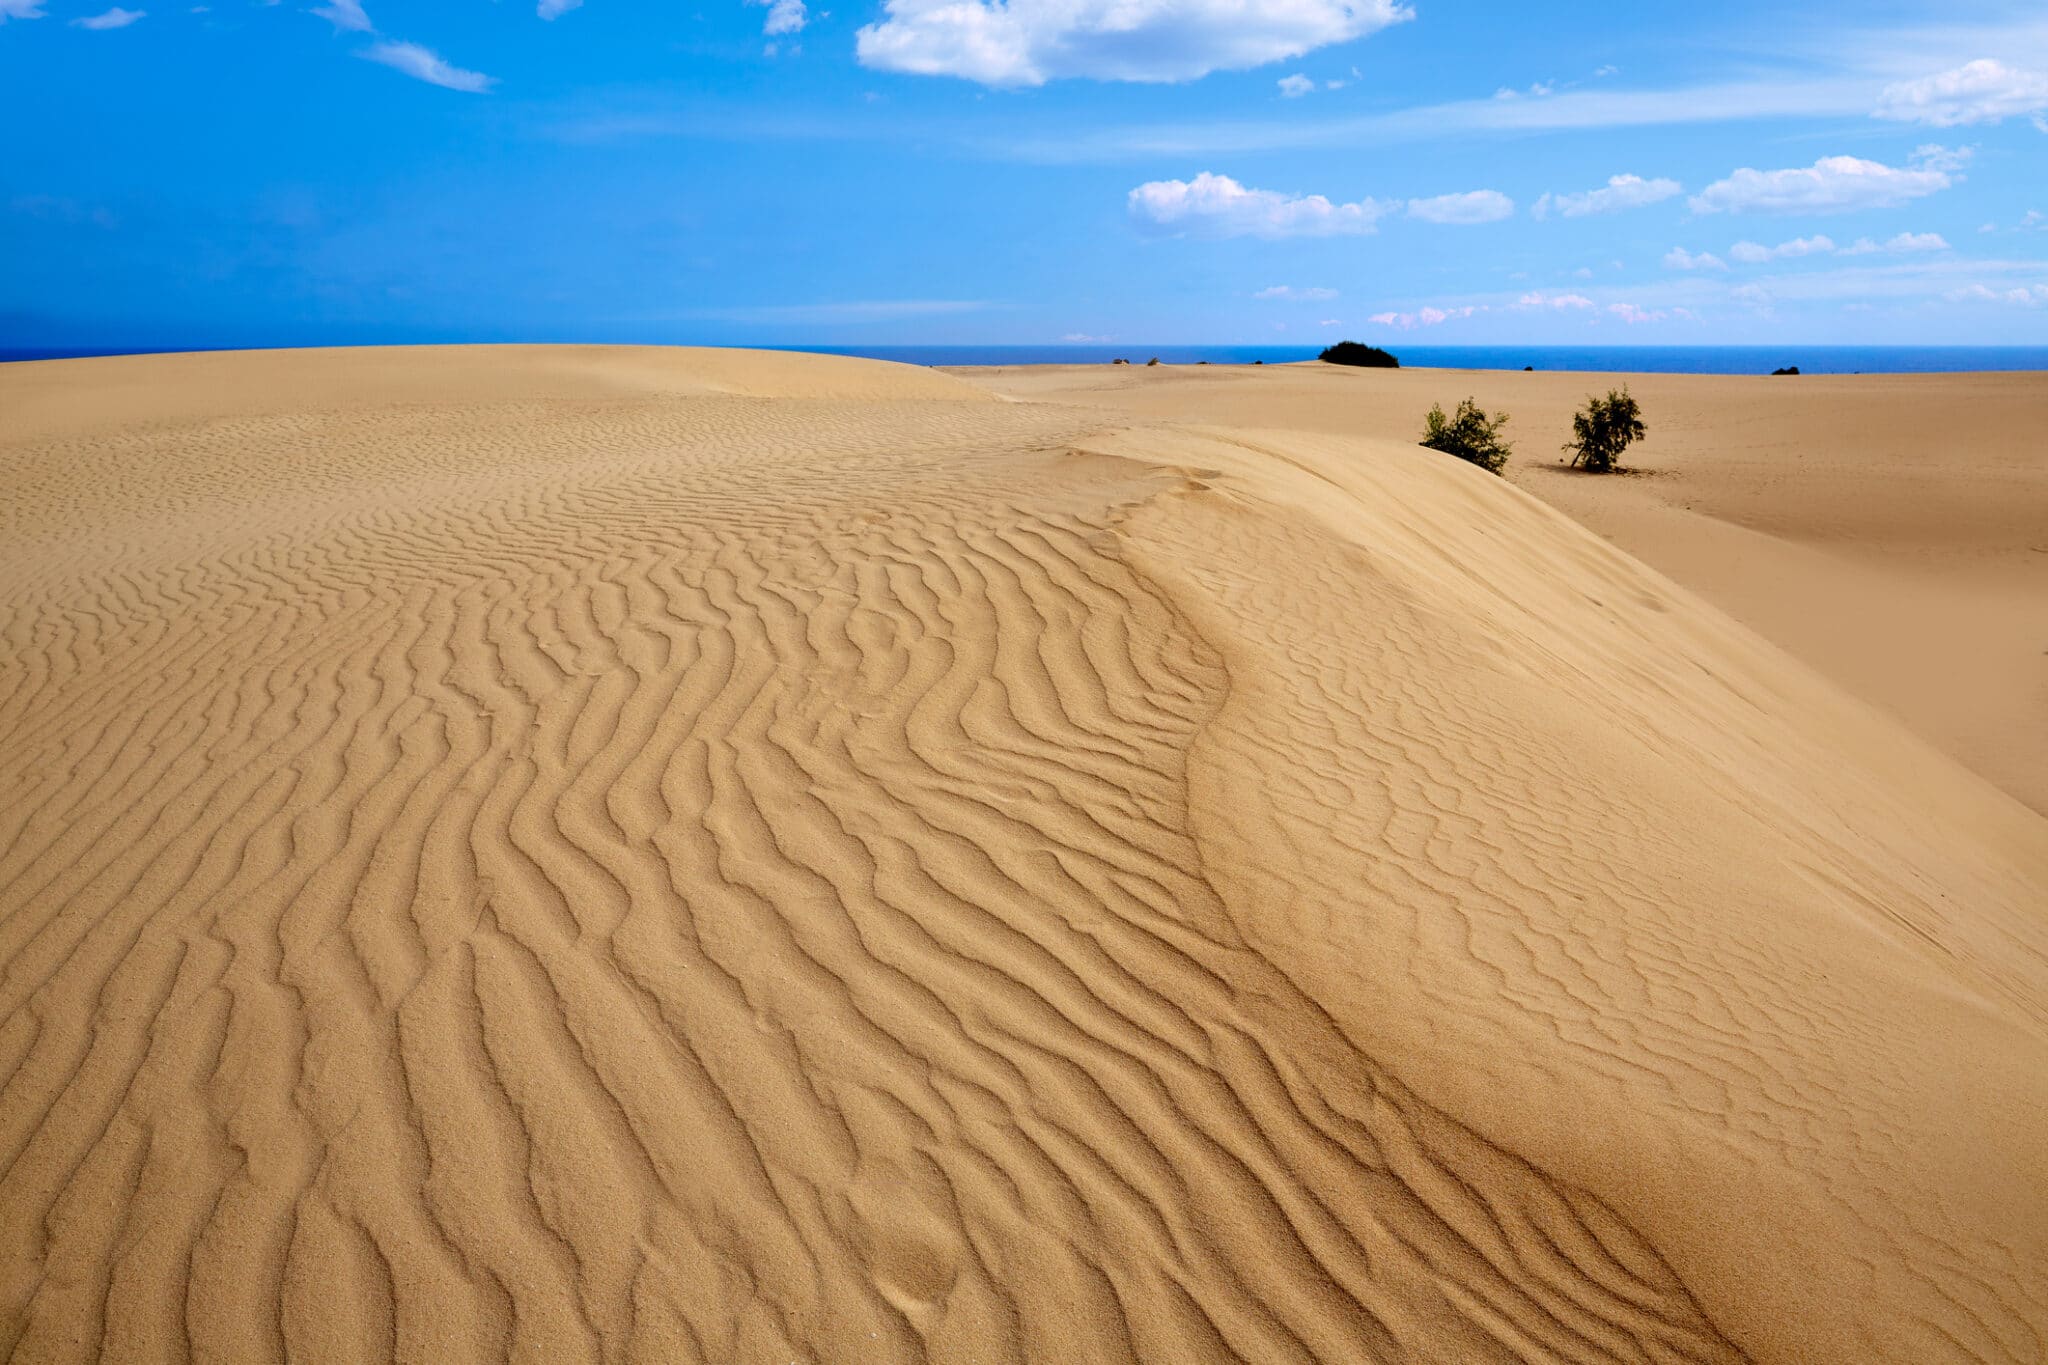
(725, 878)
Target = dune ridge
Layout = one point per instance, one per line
(618, 854)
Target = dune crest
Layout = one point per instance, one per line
(719, 857)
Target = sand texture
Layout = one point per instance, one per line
(579, 854)
(1890, 530)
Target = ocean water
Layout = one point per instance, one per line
(1621, 359)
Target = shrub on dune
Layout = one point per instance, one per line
(1603, 429)
(1357, 353)
(1470, 433)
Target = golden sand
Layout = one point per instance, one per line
(587, 854)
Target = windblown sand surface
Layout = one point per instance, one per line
(1890, 530)
(672, 856)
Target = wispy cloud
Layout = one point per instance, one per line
(552, 10)
(113, 18)
(1287, 292)
(1030, 42)
(421, 64)
(20, 9)
(1295, 86)
(1474, 206)
(1219, 206)
(1620, 192)
(1678, 258)
(865, 310)
(346, 15)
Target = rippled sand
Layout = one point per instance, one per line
(679, 856)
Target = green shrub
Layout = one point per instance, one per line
(1603, 430)
(1357, 353)
(1470, 434)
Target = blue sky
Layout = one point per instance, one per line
(956, 171)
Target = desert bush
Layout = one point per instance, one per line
(1789, 369)
(1469, 433)
(1603, 429)
(1357, 353)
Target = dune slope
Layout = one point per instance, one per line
(576, 854)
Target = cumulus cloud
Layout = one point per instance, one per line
(1578, 302)
(784, 16)
(1678, 258)
(1620, 192)
(1834, 184)
(113, 18)
(1756, 253)
(421, 64)
(1295, 86)
(1475, 206)
(1424, 317)
(1219, 206)
(1282, 291)
(19, 9)
(1984, 91)
(347, 15)
(1030, 42)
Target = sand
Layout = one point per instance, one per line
(579, 854)
(1890, 530)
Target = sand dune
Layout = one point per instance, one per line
(661, 855)
(1891, 530)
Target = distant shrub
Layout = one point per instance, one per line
(1789, 369)
(1356, 353)
(1470, 434)
(1603, 430)
(1153, 361)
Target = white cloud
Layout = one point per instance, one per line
(347, 15)
(1678, 258)
(1218, 205)
(20, 9)
(1903, 244)
(1620, 192)
(2027, 296)
(1755, 253)
(1295, 86)
(1984, 91)
(1424, 317)
(1083, 339)
(1474, 206)
(421, 64)
(2035, 220)
(1331, 322)
(555, 9)
(1029, 42)
(784, 16)
(1633, 315)
(1578, 302)
(1282, 291)
(1834, 184)
(113, 18)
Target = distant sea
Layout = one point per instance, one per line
(1625, 359)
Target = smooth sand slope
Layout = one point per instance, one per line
(638, 855)
(1891, 530)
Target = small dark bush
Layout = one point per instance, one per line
(1470, 434)
(1603, 430)
(1119, 361)
(1528, 369)
(1789, 369)
(1153, 361)
(1356, 353)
